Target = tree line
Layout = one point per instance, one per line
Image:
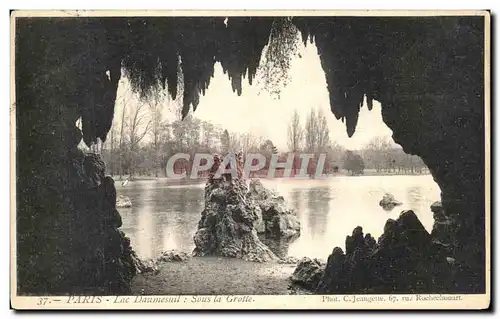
(141, 142)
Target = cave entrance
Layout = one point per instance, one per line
(284, 114)
(431, 95)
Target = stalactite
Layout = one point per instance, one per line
(241, 47)
(198, 39)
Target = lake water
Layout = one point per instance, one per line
(165, 216)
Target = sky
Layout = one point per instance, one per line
(268, 116)
(258, 112)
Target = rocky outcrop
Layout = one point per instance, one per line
(106, 236)
(148, 265)
(227, 224)
(145, 265)
(308, 273)
(275, 219)
(123, 202)
(288, 260)
(98, 258)
(443, 227)
(403, 260)
(433, 113)
(437, 208)
(173, 256)
(279, 246)
(388, 202)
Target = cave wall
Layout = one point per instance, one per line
(426, 72)
(443, 123)
(428, 75)
(68, 237)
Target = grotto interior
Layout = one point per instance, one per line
(427, 73)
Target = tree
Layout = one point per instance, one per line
(248, 143)
(353, 163)
(377, 153)
(138, 127)
(322, 132)
(112, 149)
(268, 147)
(382, 153)
(121, 142)
(310, 132)
(295, 133)
(156, 121)
(317, 133)
(210, 136)
(334, 158)
(225, 141)
(187, 133)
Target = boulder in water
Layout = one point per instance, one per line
(389, 202)
(123, 202)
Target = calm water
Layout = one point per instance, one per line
(165, 216)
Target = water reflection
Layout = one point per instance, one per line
(414, 195)
(145, 222)
(166, 217)
(318, 202)
(162, 217)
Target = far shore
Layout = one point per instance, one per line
(367, 172)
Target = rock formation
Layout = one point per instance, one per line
(288, 260)
(403, 260)
(275, 219)
(100, 259)
(226, 227)
(173, 256)
(388, 202)
(123, 202)
(442, 230)
(145, 265)
(308, 273)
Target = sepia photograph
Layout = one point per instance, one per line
(250, 160)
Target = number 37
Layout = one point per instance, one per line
(42, 301)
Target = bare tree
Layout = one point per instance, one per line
(234, 142)
(248, 142)
(317, 133)
(156, 127)
(225, 141)
(295, 133)
(138, 127)
(125, 101)
(112, 147)
(310, 134)
(322, 132)
(209, 135)
(377, 152)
